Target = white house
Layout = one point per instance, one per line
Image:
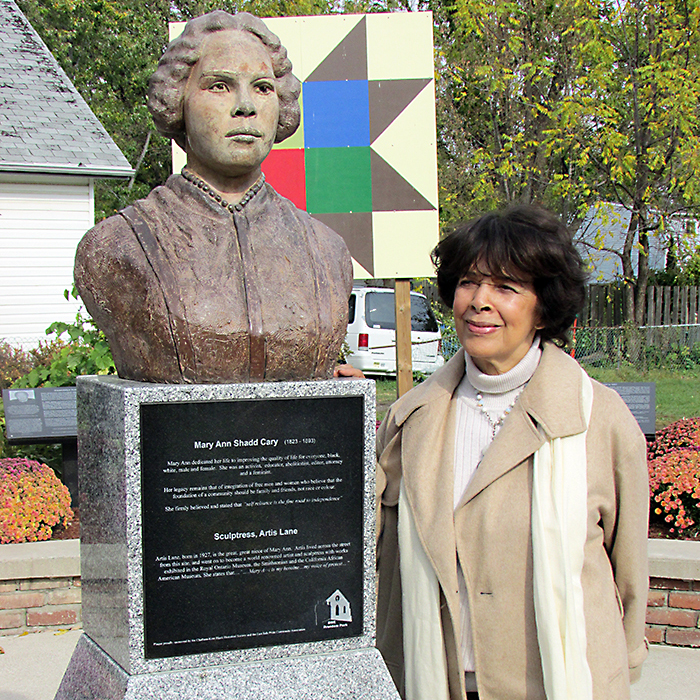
(52, 147)
(605, 226)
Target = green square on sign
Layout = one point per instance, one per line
(338, 180)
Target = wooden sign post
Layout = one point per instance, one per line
(404, 365)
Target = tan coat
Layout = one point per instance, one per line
(490, 530)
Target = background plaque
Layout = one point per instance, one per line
(640, 398)
(252, 523)
(46, 414)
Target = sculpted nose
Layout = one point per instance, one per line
(243, 106)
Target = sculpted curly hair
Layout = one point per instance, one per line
(525, 243)
(166, 87)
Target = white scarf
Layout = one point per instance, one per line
(425, 662)
(559, 514)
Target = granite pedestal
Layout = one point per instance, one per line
(227, 542)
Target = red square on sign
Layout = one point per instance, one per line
(284, 170)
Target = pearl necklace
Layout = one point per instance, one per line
(208, 189)
(495, 424)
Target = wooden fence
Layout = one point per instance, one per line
(665, 306)
(605, 304)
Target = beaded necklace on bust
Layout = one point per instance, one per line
(208, 189)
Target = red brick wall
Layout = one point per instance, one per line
(673, 612)
(31, 605)
(673, 608)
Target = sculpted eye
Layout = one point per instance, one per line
(218, 87)
(265, 88)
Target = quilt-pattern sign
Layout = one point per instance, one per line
(363, 160)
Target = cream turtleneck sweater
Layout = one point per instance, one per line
(474, 432)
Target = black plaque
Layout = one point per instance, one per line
(40, 415)
(252, 523)
(640, 398)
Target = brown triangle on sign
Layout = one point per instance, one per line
(356, 230)
(391, 192)
(348, 60)
(387, 99)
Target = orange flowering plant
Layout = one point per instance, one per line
(674, 476)
(682, 433)
(32, 501)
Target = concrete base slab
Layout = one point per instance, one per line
(348, 675)
(31, 665)
(669, 673)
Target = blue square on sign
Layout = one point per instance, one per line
(336, 114)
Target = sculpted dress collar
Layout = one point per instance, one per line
(187, 291)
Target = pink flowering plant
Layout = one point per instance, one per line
(32, 501)
(682, 433)
(674, 477)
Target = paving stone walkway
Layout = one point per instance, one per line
(32, 667)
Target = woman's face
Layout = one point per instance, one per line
(496, 319)
(231, 106)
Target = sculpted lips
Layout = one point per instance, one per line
(244, 134)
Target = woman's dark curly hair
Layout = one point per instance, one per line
(166, 87)
(525, 243)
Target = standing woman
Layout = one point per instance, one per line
(513, 491)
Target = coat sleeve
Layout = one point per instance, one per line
(628, 546)
(387, 468)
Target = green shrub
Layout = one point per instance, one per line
(15, 362)
(76, 348)
(32, 501)
(86, 351)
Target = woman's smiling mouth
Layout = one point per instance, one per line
(481, 327)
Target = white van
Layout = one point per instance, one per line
(372, 332)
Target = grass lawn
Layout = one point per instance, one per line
(677, 395)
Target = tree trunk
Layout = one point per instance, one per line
(642, 276)
(628, 276)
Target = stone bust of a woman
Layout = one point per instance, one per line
(214, 277)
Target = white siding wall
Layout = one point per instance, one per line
(40, 226)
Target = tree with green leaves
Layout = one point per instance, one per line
(570, 104)
(108, 49)
(632, 123)
(503, 69)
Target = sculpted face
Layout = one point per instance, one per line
(231, 107)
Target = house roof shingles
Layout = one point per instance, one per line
(45, 125)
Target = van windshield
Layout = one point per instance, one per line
(380, 312)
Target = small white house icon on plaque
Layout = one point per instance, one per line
(339, 607)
